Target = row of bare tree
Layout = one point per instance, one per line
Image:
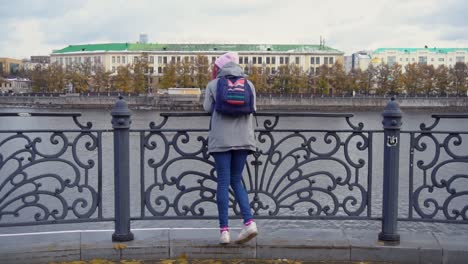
(412, 79)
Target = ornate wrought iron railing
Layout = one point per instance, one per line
(299, 171)
(438, 164)
(285, 177)
(50, 176)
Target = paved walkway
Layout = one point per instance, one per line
(288, 246)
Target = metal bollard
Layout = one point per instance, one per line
(391, 124)
(121, 123)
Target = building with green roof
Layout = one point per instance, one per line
(430, 56)
(268, 56)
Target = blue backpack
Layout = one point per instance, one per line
(234, 96)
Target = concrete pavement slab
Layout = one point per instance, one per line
(454, 247)
(304, 244)
(203, 243)
(39, 247)
(412, 248)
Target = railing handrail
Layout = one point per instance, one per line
(281, 114)
(39, 114)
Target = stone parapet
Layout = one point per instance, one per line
(343, 246)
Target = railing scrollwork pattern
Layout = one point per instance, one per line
(438, 164)
(284, 177)
(50, 176)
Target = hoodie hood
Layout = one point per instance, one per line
(230, 69)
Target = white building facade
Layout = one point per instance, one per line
(430, 56)
(269, 57)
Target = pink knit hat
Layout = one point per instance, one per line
(227, 57)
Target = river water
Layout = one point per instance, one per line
(141, 119)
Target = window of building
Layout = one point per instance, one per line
(113, 59)
(297, 60)
(281, 60)
(286, 60)
(123, 59)
(159, 69)
(331, 60)
(135, 59)
(151, 59)
(241, 60)
(254, 60)
(118, 59)
(192, 58)
(267, 60)
(273, 60)
(422, 59)
(178, 58)
(246, 70)
(391, 60)
(312, 60)
(213, 59)
(317, 70)
(246, 60)
(460, 59)
(165, 59)
(113, 68)
(441, 59)
(317, 61)
(268, 70)
(273, 70)
(151, 69)
(173, 59)
(260, 60)
(159, 59)
(312, 70)
(325, 60)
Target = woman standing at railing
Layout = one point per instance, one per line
(230, 98)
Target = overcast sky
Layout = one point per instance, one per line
(36, 27)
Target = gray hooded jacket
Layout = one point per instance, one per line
(227, 132)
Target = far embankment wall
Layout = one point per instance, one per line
(188, 103)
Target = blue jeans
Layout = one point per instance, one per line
(229, 166)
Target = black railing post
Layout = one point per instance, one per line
(121, 123)
(391, 124)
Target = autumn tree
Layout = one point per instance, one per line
(101, 80)
(140, 72)
(428, 75)
(79, 76)
(354, 78)
(202, 71)
(185, 73)
(38, 78)
(412, 78)
(55, 78)
(298, 80)
(441, 80)
(123, 81)
(459, 76)
(323, 80)
(383, 78)
(395, 81)
(282, 79)
(338, 78)
(169, 78)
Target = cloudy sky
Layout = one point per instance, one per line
(36, 27)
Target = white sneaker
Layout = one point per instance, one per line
(224, 238)
(247, 233)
